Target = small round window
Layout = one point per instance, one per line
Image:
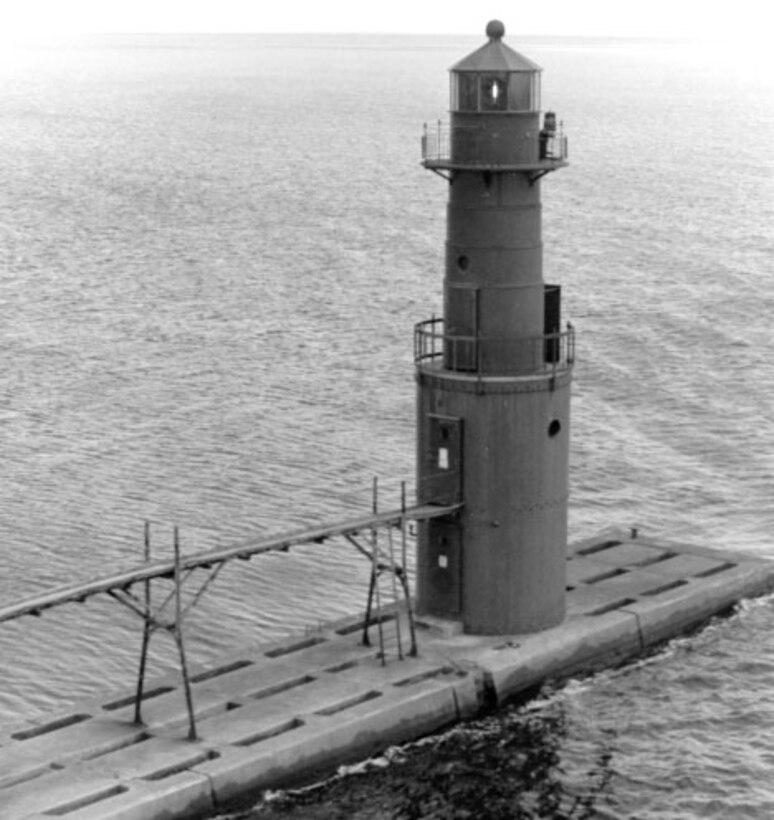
(554, 428)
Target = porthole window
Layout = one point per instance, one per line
(554, 428)
(463, 262)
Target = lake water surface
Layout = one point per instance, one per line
(213, 251)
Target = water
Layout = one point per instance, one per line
(665, 737)
(213, 253)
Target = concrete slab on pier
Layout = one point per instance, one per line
(279, 714)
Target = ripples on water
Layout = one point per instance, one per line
(673, 735)
(215, 251)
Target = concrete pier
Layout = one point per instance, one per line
(293, 711)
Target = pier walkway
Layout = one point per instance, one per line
(292, 711)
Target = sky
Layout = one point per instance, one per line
(701, 19)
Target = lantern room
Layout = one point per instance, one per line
(496, 122)
(495, 78)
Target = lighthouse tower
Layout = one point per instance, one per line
(493, 375)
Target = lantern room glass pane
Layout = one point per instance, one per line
(521, 92)
(465, 92)
(494, 92)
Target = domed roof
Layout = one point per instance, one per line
(495, 55)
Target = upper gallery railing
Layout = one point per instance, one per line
(474, 147)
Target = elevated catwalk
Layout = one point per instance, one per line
(291, 711)
(206, 560)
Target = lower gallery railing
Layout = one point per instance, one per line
(493, 355)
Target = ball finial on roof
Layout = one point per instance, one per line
(495, 30)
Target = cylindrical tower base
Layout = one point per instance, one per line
(499, 566)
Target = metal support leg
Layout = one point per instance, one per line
(375, 576)
(375, 546)
(146, 633)
(367, 622)
(179, 640)
(393, 573)
(404, 575)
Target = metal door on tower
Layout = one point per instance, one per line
(444, 568)
(441, 474)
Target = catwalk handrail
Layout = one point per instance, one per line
(432, 344)
(436, 145)
(205, 559)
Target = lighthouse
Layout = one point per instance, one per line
(494, 373)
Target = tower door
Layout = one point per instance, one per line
(443, 568)
(441, 474)
(552, 323)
